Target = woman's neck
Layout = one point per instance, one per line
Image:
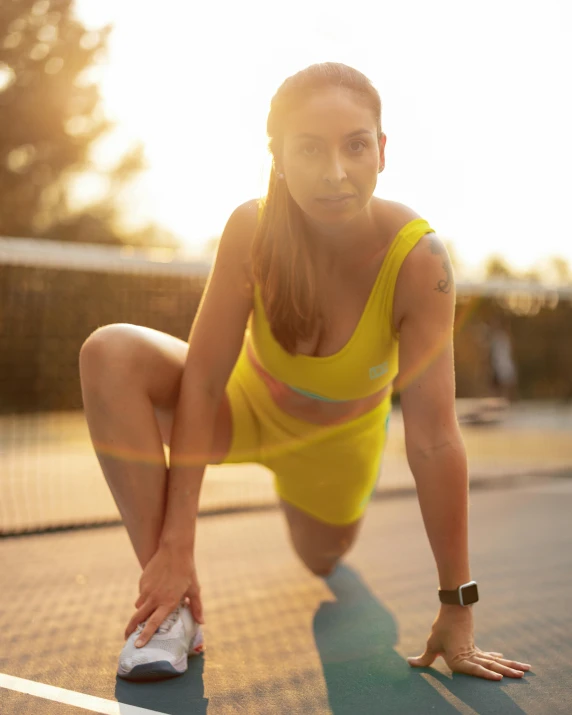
(352, 242)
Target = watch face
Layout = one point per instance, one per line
(470, 594)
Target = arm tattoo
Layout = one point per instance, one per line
(443, 286)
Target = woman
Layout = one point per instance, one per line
(291, 362)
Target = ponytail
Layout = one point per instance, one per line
(282, 267)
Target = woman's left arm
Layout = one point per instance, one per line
(425, 296)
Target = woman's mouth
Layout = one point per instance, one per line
(336, 200)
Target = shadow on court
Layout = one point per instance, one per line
(281, 641)
(178, 696)
(356, 635)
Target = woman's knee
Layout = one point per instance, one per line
(321, 568)
(320, 546)
(323, 562)
(107, 350)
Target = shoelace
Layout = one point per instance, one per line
(167, 624)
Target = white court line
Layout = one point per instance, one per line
(70, 697)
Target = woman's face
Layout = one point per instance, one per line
(331, 149)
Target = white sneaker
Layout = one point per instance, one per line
(165, 654)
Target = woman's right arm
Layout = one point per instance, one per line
(215, 342)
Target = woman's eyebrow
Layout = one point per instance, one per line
(355, 133)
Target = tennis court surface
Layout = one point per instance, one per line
(281, 640)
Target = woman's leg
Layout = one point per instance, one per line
(326, 483)
(130, 379)
(319, 545)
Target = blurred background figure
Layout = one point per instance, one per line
(502, 365)
(499, 370)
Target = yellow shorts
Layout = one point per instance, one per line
(330, 472)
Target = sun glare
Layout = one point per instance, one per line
(194, 84)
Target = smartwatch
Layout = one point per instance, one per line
(462, 596)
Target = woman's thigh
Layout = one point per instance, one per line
(325, 486)
(133, 356)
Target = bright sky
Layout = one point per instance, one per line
(475, 108)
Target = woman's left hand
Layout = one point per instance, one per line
(452, 638)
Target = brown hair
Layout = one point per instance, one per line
(281, 258)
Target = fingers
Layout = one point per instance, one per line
(511, 663)
(515, 664)
(144, 608)
(497, 667)
(138, 617)
(470, 668)
(196, 607)
(423, 661)
(491, 668)
(153, 622)
(488, 655)
(432, 650)
(510, 668)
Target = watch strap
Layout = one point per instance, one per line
(464, 595)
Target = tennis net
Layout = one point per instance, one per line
(54, 295)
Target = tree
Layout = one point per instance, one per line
(50, 116)
(560, 270)
(496, 267)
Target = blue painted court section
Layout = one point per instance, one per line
(280, 640)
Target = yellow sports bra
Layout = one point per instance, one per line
(368, 362)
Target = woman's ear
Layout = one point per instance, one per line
(382, 142)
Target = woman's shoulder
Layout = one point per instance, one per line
(396, 215)
(240, 231)
(428, 262)
(429, 254)
(247, 214)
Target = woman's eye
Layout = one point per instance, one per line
(356, 147)
(307, 149)
(361, 145)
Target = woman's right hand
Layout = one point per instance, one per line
(168, 578)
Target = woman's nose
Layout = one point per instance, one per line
(334, 171)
